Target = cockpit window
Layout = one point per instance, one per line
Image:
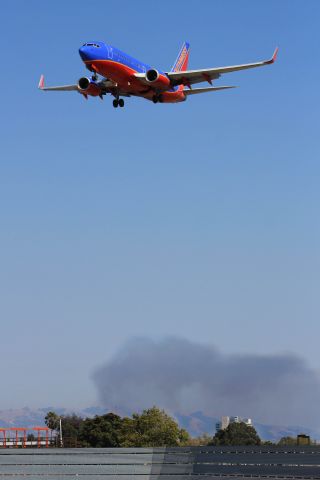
(91, 45)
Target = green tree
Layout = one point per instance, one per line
(184, 437)
(204, 439)
(236, 434)
(129, 437)
(101, 431)
(152, 428)
(287, 441)
(71, 425)
(52, 420)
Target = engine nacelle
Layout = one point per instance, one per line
(158, 80)
(88, 87)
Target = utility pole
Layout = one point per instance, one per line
(60, 432)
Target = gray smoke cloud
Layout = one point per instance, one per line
(183, 376)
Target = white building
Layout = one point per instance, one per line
(225, 422)
(235, 420)
(247, 421)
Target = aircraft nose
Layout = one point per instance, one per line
(83, 51)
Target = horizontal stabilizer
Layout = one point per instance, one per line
(204, 90)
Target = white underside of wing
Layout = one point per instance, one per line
(194, 91)
(189, 77)
(105, 85)
(62, 88)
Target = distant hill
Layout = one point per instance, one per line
(275, 432)
(28, 417)
(196, 423)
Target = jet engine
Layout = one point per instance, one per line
(88, 87)
(158, 80)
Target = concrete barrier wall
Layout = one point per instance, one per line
(164, 463)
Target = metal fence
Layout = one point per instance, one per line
(163, 463)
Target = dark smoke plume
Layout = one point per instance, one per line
(183, 376)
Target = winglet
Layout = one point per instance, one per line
(274, 56)
(41, 82)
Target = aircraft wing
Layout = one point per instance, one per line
(62, 88)
(190, 77)
(204, 90)
(106, 85)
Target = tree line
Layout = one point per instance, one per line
(151, 428)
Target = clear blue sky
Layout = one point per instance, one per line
(198, 220)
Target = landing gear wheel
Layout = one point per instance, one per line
(115, 103)
(121, 102)
(160, 98)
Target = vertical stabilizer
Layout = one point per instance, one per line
(181, 64)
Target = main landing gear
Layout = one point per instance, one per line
(157, 98)
(118, 102)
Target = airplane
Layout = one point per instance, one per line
(124, 76)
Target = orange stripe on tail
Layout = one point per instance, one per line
(181, 64)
